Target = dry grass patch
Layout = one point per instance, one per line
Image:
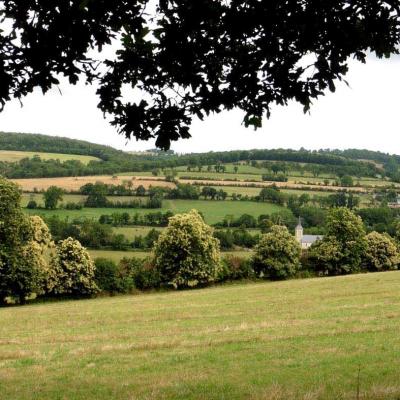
(72, 184)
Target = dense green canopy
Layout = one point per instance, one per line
(190, 58)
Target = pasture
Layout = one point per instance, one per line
(131, 231)
(117, 256)
(213, 211)
(74, 198)
(320, 339)
(15, 156)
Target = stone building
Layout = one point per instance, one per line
(305, 240)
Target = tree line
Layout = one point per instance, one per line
(186, 254)
(114, 161)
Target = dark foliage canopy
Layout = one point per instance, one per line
(190, 58)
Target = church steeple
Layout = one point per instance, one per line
(299, 231)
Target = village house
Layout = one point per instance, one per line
(395, 204)
(305, 240)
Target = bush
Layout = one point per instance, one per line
(186, 253)
(225, 239)
(277, 255)
(144, 274)
(32, 205)
(236, 268)
(73, 206)
(107, 275)
(381, 253)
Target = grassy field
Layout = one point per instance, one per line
(73, 184)
(15, 156)
(304, 339)
(213, 211)
(119, 255)
(74, 198)
(131, 231)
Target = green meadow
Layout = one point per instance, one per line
(74, 198)
(15, 156)
(213, 211)
(325, 339)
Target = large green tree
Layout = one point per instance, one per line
(341, 251)
(381, 253)
(20, 247)
(191, 58)
(277, 255)
(72, 270)
(186, 253)
(52, 196)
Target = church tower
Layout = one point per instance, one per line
(299, 231)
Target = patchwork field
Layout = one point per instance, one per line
(308, 339)
(284, 185)
(242, 185)
(15, 156)
(213, 211)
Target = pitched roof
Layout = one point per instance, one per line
(311, 238)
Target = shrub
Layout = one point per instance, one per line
(144, 274)
(32, 205)
(73, 206)
(381, 253)
(186, 253)
(277, 254)
(236, 268)
(107, 275)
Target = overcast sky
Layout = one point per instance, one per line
(364, 115)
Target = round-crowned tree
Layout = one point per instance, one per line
(73, 271)
(346, 229)
(381, 253)
(277, 255)
(38, 252)
(324, 256)
(186, 253)
(341, 251)
(19, 270)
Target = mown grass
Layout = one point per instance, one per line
(304, 339)
(213, 211)
(15, 156)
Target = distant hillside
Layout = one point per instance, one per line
(53, 144)
(16, 156)
(353, 162)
